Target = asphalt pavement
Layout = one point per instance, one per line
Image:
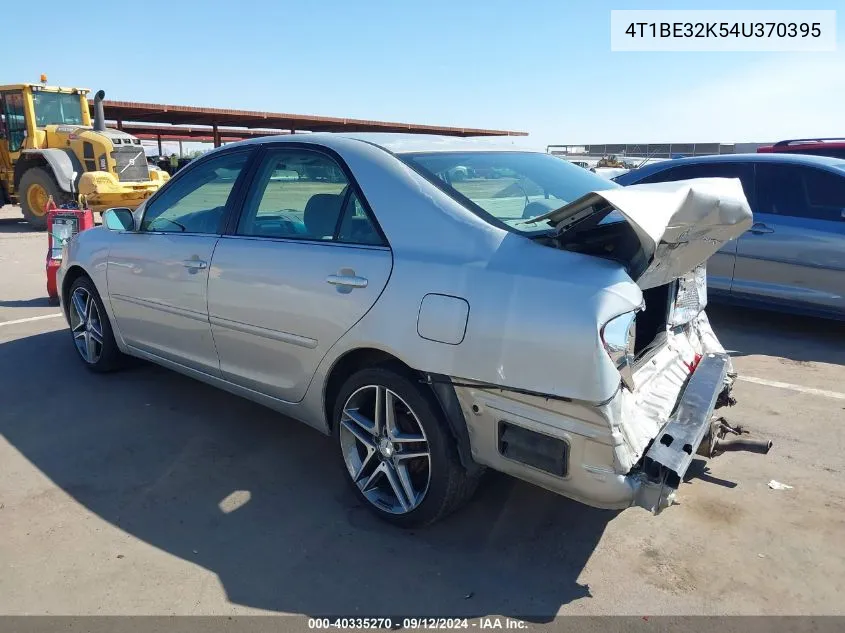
(145, 492)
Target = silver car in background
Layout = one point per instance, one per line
(439, 306)
(793, 256)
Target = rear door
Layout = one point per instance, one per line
(305, 262)
(158, 276)
(720, 267)
(795, 252)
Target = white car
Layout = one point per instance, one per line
(528, 316)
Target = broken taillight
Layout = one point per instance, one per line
(618, 337)
(692, 365)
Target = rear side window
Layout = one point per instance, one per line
(355, 225)
(802, 192)
(302, 194)
(743, 171)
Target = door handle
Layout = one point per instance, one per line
(347, 281)
(195, 264)
(758, 228)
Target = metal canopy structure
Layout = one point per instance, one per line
(130, 115)
(149, 132)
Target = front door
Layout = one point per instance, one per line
(305, 263)
(795, 251)
(12, 130)
(158, 275)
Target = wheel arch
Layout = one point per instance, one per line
(73, 273)
(440, 386)
(61, 164)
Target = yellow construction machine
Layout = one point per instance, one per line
(50, 148)
(610, 161)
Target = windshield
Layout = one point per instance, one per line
(507, 188)
(52, 108)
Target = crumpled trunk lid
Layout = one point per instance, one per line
(679, 224)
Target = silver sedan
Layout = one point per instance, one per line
(439, 306)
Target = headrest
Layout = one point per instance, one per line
(321, 213)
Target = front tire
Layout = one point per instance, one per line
(90, 328)
(401, 459)
(36, 187)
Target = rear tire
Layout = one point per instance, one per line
(36, 187)
(404, 467)
(90, 328)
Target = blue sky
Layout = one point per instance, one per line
(541, 66)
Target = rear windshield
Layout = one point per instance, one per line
(507, 188)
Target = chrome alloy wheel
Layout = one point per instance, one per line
(385, 449)
(86, 325)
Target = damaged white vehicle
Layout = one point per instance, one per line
(438, 306)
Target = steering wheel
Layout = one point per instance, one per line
(162, 219)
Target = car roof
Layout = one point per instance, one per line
(784, 158)
(408, 143)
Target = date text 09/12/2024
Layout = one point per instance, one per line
(494, 622)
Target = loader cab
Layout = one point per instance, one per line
(27, 109)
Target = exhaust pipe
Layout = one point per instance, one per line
(99, 113)
(723, 437)
(742, 444)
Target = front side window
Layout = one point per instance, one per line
(507, 188)
(196, 202)
(56, 108)
(301, 194)
(797, 191)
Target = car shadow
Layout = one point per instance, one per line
(37, 302)
(700, 470)
(16, 225)
(749, 331)
(261, 500)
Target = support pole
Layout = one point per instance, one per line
(216, 135)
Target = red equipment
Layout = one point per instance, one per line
(62, 224)
(834, 147)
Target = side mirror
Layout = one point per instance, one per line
(119, 219)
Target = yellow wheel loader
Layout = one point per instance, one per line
(49, 148)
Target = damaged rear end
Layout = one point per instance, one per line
(673, 374)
